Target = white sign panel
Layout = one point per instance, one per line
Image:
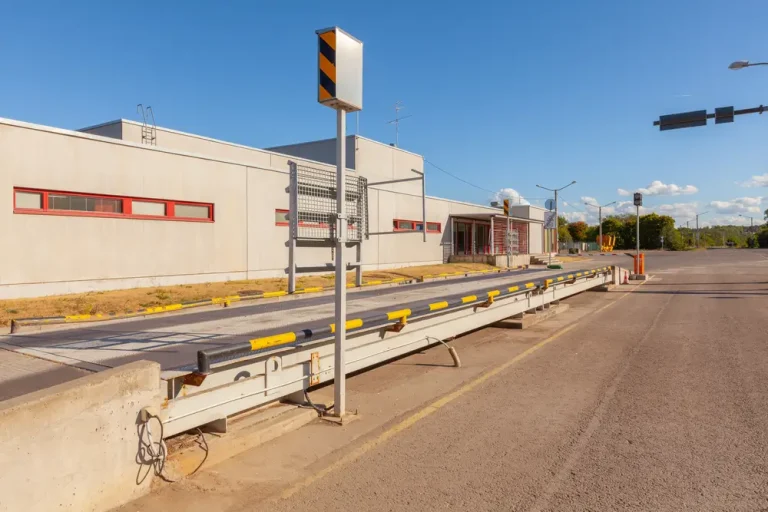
(550, 220)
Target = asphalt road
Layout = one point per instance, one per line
(658, 403)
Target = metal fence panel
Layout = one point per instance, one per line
(314, 204)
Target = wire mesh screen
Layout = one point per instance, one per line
(513, 242)
(313, 205)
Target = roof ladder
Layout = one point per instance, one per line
(148, 132)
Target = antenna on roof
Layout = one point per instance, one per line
(396, 121)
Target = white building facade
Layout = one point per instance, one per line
(100, 209)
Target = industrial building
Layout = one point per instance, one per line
(123, 204)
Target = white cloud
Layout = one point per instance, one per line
(678, 211)
(657, 188)
(624, 192)
(755, 181)
(725, 220)
(738, 205)
(578, 216)
(511, 194)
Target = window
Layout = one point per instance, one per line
(192, 211)
(49, 202)
(412, 225)
(281, 217)
(151, 208)
(32, 200)
(84, 203)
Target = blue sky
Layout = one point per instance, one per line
(503, 94)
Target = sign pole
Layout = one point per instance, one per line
(339, 365)
(600, 220)
(557, 232)
(340, 86)
(638, 232)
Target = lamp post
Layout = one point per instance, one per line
(557, 227)
(697, 227)
(741, 64)
(751, 221)
(600, 217)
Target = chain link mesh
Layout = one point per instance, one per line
(315, 215)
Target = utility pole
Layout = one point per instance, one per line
(697, 227)
(600, 218)
(557, 220)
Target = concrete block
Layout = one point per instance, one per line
(245, 433)
(638, 277)
(74, 446)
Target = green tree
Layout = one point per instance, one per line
(673, 239)
(592, 233)
(762, 239)
(578, 230)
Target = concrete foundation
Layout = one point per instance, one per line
(74, 446)
(497, 260)
(527, 320)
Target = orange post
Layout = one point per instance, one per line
(642, 263)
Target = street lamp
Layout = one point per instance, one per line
(751, 220)
(697, 227)
(557, 228)
(600, 217)
(741, 64)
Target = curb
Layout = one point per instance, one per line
(20, 324)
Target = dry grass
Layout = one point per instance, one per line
(573, 258)
(125, 301)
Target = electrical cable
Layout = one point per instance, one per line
(518, 198)
(322, 411)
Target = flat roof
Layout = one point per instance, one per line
(487, 216)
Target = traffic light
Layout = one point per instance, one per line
(506, 207)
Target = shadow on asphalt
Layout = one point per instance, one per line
(668, 283)
(755, 293)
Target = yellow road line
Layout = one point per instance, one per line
(435, 406)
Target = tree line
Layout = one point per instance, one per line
(654, 226)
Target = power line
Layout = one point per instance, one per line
(519, 197)
(459, 179)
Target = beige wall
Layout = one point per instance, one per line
(73, 447)
(51, 254)
(72, 251)
(320, 151)
(113, 129)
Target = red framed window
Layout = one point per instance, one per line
(77, 204)
(413, 225)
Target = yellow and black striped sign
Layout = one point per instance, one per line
(326, 72)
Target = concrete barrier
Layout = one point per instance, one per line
(74, 446)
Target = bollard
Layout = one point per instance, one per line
(642, 264)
